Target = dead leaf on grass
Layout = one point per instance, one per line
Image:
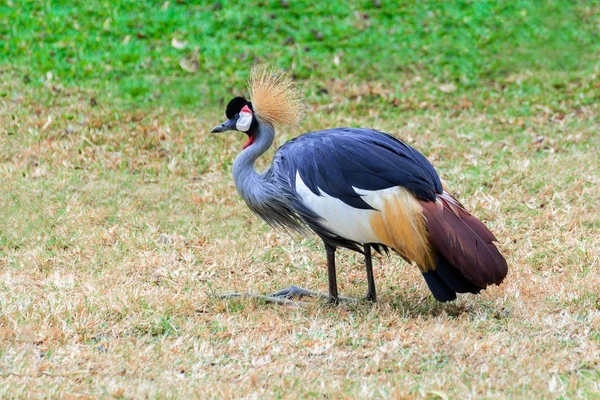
(178, 44)
(189, 65)
(447, 87)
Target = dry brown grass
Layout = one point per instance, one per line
(117, 228)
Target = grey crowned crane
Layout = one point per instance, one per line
(357, 189)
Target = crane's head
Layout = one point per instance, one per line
(276, 100)
(240, 116)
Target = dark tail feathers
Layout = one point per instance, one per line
(467, 259)
(445, 281)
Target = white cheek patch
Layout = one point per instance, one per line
(245, 120)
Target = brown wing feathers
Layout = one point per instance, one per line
(464, 241)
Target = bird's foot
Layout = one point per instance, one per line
(298, 292)
(268, 299)
(289, 295)
(371, 297)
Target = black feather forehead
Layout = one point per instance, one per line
(235, 106)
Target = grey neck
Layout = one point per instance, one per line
(244, 175)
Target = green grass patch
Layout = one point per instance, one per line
(195, 53)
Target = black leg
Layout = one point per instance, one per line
(333, 292)
(293, 291)
(371, 293)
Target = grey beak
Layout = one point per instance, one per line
(228, 125)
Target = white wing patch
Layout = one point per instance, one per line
(396, 220)
(378, 198)
(348, 222)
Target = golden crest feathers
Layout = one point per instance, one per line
(275, 96)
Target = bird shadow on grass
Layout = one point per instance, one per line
(410, 306)
(413, 306)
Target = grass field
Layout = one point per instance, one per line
(119, 220)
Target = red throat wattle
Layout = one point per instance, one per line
(249, 142)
